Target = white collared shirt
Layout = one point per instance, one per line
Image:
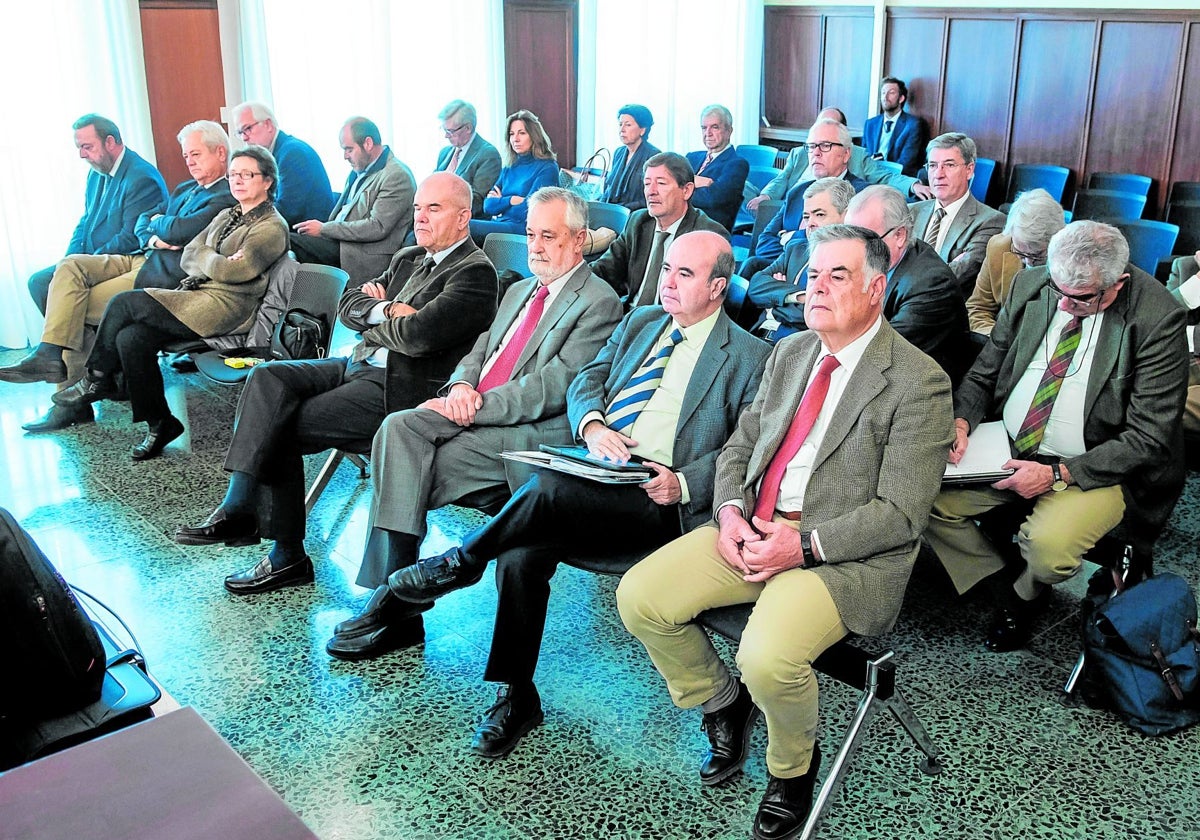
(553, 289)
(117, 163)
(951, 210)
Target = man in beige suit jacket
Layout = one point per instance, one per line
(864, 474)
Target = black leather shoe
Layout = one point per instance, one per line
(220, 527)
(1013, 623)
(787, 803)
(395, 636)
(381, 609)
(433, 577)
(505, 722)
(60, 417)
(260, 578)
(728, 732)
(35, 368)
(85, 392)
(156, 439)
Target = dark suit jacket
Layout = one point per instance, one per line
(454, 304)
(379, 219)
(479, 167)
(721, 199)
(1135, 394)
(876, 472)
(765, 291)
(189, 211)
(723, 383)
(624, 183)
(303, 191)
(790, 215)
(112, 205)
(921, 301)
(966, 242)
(623, 265)
(1181, 270)
(909, 137)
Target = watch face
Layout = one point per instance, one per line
(1058, 486)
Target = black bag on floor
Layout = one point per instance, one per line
(49, 640)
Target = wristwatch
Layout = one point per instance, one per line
(810, 559)
(1059, 484)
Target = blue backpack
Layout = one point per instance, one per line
(1144, 652)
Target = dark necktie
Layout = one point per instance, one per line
(887, 126)
(1029, 438)
(502, 370)
(649, 288)
(629, 402)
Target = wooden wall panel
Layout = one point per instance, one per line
(847, 78)
(913, 52)
(980, 53)
(1186, 166)
(181, 44)
(537, 36)
(791, 67)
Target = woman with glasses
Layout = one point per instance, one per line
(227, 268)
(529, 165)
(624, 184)
(1033, 218)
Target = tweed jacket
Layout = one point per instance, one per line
(380, 218)
(1000, 266)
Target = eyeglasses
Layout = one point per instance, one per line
(946, 166)
(1033, 259)
(244, 131)
(825, 147)
(1082, 299)
(243, 176)
(450, 132)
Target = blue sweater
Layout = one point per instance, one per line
(523, 178)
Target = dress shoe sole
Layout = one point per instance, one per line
(272, 582)
(401, 642)
(23, 378)
(195, 539)
(736, 767)
(511, 743)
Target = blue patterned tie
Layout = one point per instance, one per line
(632, 399)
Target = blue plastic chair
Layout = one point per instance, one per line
(755, 155)
(1120, 181)
(760, 176)
(1109, 205)
(602, 214)
(765, 212)
(1030, 176)
(508, 252)
(984, 169)
(1149, 242)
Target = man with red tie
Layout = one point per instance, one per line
(508, 393)
(820, 499)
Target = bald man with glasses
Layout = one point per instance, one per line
(1087, 368)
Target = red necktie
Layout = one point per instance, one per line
(802, 423)
(501, 371)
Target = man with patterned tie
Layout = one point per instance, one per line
(508, 392)
(373, 216)
(667, 388)
(1087, 369)
(468, 156)
(416, 320)
(821, 496)
(720, 171)
(633, 261)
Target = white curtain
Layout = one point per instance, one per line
(318, 62)
(61, 60)
(674, 57)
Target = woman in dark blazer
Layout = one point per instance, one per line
(624, 184)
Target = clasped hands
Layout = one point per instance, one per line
(458, 406)
(608, 445)
(757, 548)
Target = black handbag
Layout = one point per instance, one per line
(299, 335)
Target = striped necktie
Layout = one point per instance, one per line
(935, 227)
(707, 160)
(633, 398)
(1034, 428)
(452, 166)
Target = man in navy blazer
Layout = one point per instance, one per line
(720, 171)
(894, 134)
(710, 374)
(303, 191)
(475, 160)
(120, 187)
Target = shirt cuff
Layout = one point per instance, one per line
(1189, 290)
(737, 503)
(588, 418)
(816, 546)
(684, 496)
(376, 315)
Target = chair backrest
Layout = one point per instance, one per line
(508, 252)
(1028, 176)
(1186, 214)
(984, 169)
(602, 214)
(736, 305)
(760, 176)
(1185, 191)
(762, 156)
(1149, 242)
(317, 290)
(1121, 181)
(762, 215)
(1108, 205)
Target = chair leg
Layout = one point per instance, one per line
(362, 463)
(931, 765)
(327, 470)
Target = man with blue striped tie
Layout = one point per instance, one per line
(668, 388)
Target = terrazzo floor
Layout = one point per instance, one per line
(379, 749)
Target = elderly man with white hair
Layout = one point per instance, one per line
(303, 191)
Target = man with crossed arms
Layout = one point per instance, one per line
(850, 426)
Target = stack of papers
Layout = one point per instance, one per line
(576, 460)
(987, 451)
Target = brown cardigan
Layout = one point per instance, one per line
(232, 289)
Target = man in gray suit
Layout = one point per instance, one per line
(862, 456)
(1184, 284)
(633, 261)
(666, 389)
(509, 392)
(374, 215)
(469, 156)
(1087, 367)
(953, 221)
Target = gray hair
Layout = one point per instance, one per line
(1034, 218)
(577, 209)
(878, 259)
(676, 164)
(1085, 249)
(212, 135)
(954, 140)
(895, 207)
(464, 110)
(258, 111)
(843, 133)
(721, 111)
(839, 190)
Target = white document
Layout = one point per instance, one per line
(987, 451)
(566, 465)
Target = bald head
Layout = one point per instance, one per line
(695, 276)
(441, 211)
